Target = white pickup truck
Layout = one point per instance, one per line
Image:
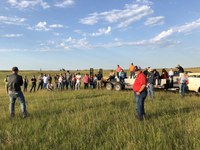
(194, 82)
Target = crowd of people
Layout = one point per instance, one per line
(144, 84)
(62, 81)
(73, 81)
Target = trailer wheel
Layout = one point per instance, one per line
(109, 86)
(118, 87)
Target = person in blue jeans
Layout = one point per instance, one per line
(183, 80)
(140, 92)
(15, 82)
(150, 83)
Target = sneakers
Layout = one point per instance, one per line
(12, 115)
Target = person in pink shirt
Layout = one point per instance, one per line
(86, 81)
(118, 70)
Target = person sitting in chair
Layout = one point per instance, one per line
(111, 76)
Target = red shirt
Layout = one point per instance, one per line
(86, 79)
(139, 81)
(118, 69)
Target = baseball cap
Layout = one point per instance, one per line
(137, 68)
(15, 69)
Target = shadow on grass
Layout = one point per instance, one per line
(68, 110)
(172, 112)
(90, 96)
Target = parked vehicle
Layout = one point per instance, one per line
(194, 82)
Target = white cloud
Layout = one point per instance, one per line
(123, 18)
(159, 40)
(77, 43)
(43, 26)
(65, 3)
(91, 20)
(163, 35)
(69, 43)
(159, 20)
(144, 1)
(102, 31)
(56, 26)
(24, 4)
(12, 35)
(188, 26)
(179, 29)
(11, 20)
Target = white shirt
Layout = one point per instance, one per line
(60, 79)
(78, 78)
(45, 79)
(183, 79)
(171, 73)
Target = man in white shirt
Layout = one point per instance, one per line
(171, 75)
(45, 80)
(78, 81)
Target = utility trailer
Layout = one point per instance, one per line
(119, 85)
(128, 84)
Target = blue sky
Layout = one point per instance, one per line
(80, 34)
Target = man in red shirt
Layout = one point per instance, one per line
(140, 92)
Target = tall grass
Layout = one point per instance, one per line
(91, 119)
(100, 119)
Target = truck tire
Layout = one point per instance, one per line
(109, 86)
(118, 87)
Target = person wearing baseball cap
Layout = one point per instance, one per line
(15, 82)
(140, 92)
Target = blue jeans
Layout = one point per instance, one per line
(151, 90)
(182, 89)
(132, 74)
(13, 96)
(140, 112)
(33, 87)
(44, 85)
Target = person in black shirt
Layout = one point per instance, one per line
(15, 82)
(150, 83)
(41, 81)
(180, 69)
(99, 80)
(33, 80)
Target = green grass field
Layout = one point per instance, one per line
(99, 119)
